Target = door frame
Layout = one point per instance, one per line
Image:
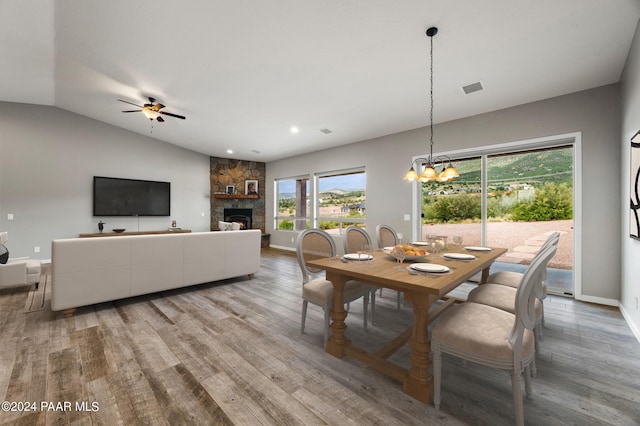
(574, 139)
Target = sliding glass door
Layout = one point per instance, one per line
(511, 199)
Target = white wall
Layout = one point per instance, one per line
(48, 158)
(630, 100)
(595, 113)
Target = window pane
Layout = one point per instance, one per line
(293, 204)
(341, 200)
(454, 208)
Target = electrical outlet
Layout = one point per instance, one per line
(293, 240)
(636, 302)
(36, 249)
(10, 216)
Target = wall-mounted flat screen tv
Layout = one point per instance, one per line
(130, 197)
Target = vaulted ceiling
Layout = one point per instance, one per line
(244, 72)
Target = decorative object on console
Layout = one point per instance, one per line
(429, 174)
(174, 224)
(118, 230)
(101, 226)
(4, 254)
(634, 214)
(250, 187)
(4, 251)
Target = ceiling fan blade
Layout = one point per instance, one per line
(157, 107)
(134, 110)
(130, 103)
(172, 115)
(160, 119)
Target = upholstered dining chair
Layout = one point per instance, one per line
(504, 297)
(388, 237)
(492, 337)
(17, 271)
(315, 244)
(512, 279)
(354, 239)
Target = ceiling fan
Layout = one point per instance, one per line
(152, 110)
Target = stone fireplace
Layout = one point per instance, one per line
(243, 216)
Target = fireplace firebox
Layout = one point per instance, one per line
(242, 216)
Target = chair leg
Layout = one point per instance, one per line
(327, 319)
(534, 369)
(373, 306)
(516, 383)
(536, 337)
(304, 315)
(437, 375)
(37, 285)
(527, 382)
(366, 308)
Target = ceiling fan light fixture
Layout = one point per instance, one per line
(151, 115)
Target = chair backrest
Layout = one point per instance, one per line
(552, 240)
(525, 299)
(4, 237)
(387, 236)
(313, 244)
(355, 238)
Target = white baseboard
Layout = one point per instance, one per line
(282, 247)
(632, 325)
(598, 300)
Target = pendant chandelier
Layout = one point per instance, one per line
(430, 163)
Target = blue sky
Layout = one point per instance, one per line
(346, 182)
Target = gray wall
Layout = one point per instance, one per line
(48, 158)
(630, 95)
(595, 113)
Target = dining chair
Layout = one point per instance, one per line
(504, 297)
(492, 337)
(388, 237)
(316, 244)
(354, 239)
(512, 279)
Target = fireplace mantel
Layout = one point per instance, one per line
(235, 196)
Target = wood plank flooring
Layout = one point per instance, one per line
(232, 353)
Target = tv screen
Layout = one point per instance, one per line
(130, 197)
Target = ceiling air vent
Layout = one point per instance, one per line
(326, 131)
(473, 87)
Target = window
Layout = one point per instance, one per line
(341, 199)
(293, 206)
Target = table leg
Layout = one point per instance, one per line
(485, 275)
(419, 382)
(337, 342)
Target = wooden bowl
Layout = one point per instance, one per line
(118, 230)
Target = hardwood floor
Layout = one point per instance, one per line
(232, 353)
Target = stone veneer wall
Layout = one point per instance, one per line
(225, 171)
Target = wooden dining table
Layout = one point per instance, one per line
(421, 290)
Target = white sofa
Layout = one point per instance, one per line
(85, 271)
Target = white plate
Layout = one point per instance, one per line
(459, 256)
(420, 243)
(429, 267)
(388, 252)
(473, 248)
(358, 256)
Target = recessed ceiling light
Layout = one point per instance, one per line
(229, 151)
(294, 129)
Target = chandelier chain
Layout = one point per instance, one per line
(431, 99)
